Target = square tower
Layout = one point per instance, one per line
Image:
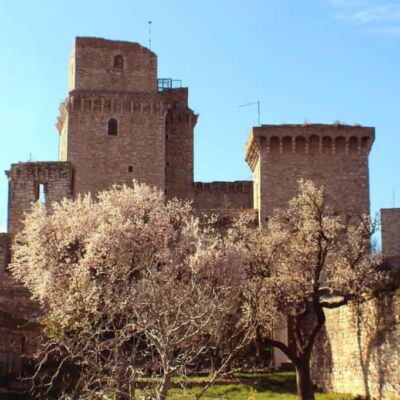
(112, 124)
(333, 156)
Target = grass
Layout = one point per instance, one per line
(250, 386)
(242, 386)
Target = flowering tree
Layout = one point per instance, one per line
(305, 261)
(127, 282)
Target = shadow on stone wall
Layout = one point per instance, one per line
(322, 362)
(376, 334)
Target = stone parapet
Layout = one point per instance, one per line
(26, 180)
(223, 195)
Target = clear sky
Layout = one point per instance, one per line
(314, 60)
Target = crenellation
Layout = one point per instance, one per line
(335, 156)
(24, 184)
(223, 195)
(119, 123)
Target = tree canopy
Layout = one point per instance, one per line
(128, 283)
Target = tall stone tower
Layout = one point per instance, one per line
(117, 120)
(333, 156)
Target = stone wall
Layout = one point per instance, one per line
(390, 226)
(18, 339)
(358, 352)
(26, 180)
(4, 251)
(180, 123)
(335, 156)
(13, 297)
(223, 195)
(135, 151)
(92, 66)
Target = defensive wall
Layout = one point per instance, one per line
(358, 351)
(223, 195)
(28, 181)
(120, 122)
(390, 223)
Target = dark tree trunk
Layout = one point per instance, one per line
(216, 361)
(165, 385)
(305, 389)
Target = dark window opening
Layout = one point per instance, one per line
(112, 127)
(167, 163)
(130, 168)
(119, 62)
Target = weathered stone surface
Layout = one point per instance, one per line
(390, 227)
(25, 181)
(334, 156)
(153, 142)
(223, 195)
(359, 350)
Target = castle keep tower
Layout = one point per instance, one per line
(335, 156)
(112, 122)
(117, 121)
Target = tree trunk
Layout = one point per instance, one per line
(305, 389)
(216, 361)
(165, 384)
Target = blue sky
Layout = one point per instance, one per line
(314, 60)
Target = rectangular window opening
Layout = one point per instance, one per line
(130, 168)
(41, 194)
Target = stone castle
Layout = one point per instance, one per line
(120, 122)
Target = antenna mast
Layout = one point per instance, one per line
(258, 108)
(150, 22)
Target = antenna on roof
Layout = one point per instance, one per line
(258, 108)
(150, 22)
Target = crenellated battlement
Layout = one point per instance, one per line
(28, 181)
(182, 117)
(226, 187)
(223, 195)
(42, 171)
(118, 103)
(308, 139)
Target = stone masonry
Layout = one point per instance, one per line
(358, 351)
(27, 180)
(390, 220)
(121, 122)
(334, 156)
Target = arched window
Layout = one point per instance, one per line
(119, 62)
(113, 127)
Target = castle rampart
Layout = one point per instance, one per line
(119, 122)
(27, 180)
(358, 351)
(223, 195)
(390, 226)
